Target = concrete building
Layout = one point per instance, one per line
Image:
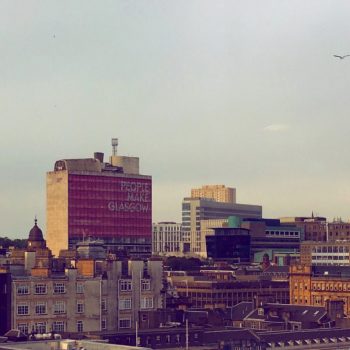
(167, 238)
(194, 210)
(207, 291)
(108, 201)
(325, 253)
(219, 193)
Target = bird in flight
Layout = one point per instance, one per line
(341, 57)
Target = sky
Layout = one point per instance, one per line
(243, 93)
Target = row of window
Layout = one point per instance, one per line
(330, 257)
(330, 249)
(42, 288)
(283, 233)
(59, 307)
(332, 287)
(126, 285)
(126, 304)
(56, 326)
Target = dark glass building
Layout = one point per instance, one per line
(229, 244)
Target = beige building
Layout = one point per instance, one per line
(220, 193)
(81, 291)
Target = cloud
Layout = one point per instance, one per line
(276, 127)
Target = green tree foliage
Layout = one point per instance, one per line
(183, 264)
(6, 242)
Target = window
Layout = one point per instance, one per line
(22, 289)
(125, 323)
(145, 285)
(80, 326)
(80, 306)
(23, 327)
(22, 309)
(125, 304)
(40, 308)
(125, 285)
(59, 288)
(147, 303)
(40, 289)
(80, 288)
(40, 327)
(58, 326)
(103, 305)
(59, 307)
(103, 323)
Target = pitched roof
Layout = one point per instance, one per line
(239, 311)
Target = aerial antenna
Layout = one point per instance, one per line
(114, 146)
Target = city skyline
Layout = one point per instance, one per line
(246, 94)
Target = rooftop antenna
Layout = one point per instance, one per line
(114, 146)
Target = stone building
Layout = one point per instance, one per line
(314, 227)
(317, 285)
(86, 291)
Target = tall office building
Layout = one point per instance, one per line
(220, 193)
(109, 201)
(194, 210)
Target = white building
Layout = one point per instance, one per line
(167, 238)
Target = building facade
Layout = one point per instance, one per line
(194, 210)
(210, 293)
(325, 253)
(338, 230)
(5, 304)
(316, 285)
(314, 227)
(83, 290)
(167, 238)
(229, 244)
(219, 193)
(108, 201)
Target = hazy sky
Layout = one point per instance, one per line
(243, 93)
